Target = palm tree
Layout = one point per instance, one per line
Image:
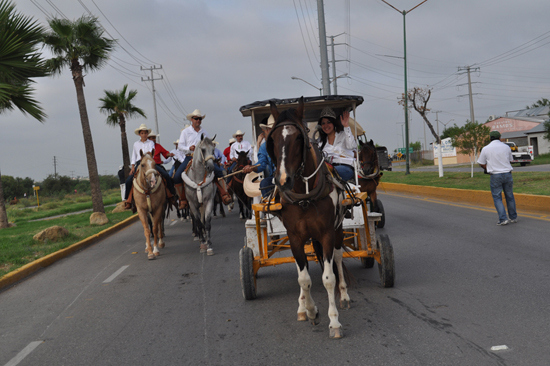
(118, 107)
(81, 47)
(19, 62)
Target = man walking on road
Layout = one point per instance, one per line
(495, 160)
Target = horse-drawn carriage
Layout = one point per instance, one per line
(268, 234)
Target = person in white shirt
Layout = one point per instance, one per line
(238, 146)
(337, 142)
(495, 160)
(145, 146)
(178, 158)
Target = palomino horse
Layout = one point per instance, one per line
(311, 208)
(236, 186)
(150, 198)
(200, 191)
(369, 171)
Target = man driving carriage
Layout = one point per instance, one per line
(189, 138)
(265, 164)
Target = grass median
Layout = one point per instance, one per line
(17, 246)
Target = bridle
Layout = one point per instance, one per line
(148, 190)
(363, 171)
(207, 178)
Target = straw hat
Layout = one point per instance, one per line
(196, 113)
(270, 122)
(238, 133)
(177, 141)
(232, 140)
(142, 127)
(153, 134)
(251, 185)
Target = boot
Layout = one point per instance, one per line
(128, 202)
(226, 197)
(181, 192)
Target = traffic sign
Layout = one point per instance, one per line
(36, 188)
(402, 150)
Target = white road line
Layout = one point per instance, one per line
(24, 353)
(114, 275)
(174, 223)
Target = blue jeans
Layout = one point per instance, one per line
(160, 169)
(503, 182)
(346, 172)
(181, 169)
(267, 185)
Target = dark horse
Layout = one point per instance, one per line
(311, 208)
(369, 176)
(236, 186)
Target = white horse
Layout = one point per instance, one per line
(201, 191)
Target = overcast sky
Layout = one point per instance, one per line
(220, 55)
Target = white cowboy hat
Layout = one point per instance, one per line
(142, 127)
(153, 134)
(232, 140)
(270, 122)
(238, 133)
(177, 141)
(196, 113)
(251, 184)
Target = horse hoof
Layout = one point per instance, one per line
(204, 248)
(151, 256)
(157, 254)
(210, 251)
(315, 321)
(302, 317)
(195, 238)
(161, 245)
(336, 333)
(345, 304)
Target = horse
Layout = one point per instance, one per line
(311, 208)
(369, 171)
(150, 200)
(236, 186)
(200, 191)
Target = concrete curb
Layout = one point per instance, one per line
(528, 202)
(38, 264)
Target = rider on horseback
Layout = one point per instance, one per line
(189, 138)
(161, 151)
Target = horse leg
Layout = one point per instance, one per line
(329, 281)
(342, 285)
(143, 218)
(372, 196)
(161, 234)
(207, 217)
(306, 305)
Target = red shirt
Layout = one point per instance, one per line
(226, 152)
(158, 151)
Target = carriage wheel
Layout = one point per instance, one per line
(367, 262)
(248, 282)
(386, 267)
(380, 209)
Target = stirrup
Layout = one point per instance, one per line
(183, 204)
(227, 199)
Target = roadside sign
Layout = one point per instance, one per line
(36, 188)
(402, 150)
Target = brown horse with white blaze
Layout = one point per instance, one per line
(150, 198)
(311, 208)
(369, 171)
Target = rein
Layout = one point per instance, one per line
(149, 191)
(206, 180)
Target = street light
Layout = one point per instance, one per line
(404, 12)
(320, 89)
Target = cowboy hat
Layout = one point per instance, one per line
(153, 134)
(177, 141)
(196, 113)
(142, 127)
(251, 184)
(270, 122)
(232, 140)
(238, 133)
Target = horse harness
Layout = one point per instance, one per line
(206, 180)
(149, 191)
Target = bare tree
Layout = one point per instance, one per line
(418, 99)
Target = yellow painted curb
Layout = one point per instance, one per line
(529, 202)
(30, 268)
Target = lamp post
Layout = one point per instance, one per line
(320, 89)
(404, 12)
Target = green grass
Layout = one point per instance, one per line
(524, 182)
(17, 246)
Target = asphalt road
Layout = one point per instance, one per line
(463, 285)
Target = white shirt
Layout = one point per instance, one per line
(145, 147)
(341, 151)
(178, 155)
(241, 146)
(497, 156)
(189, 137)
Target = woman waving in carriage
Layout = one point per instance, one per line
(337, 142)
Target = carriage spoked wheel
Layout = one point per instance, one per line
(386, 267)
(380, 209)
(248, 282)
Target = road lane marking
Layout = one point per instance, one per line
(114, 275)
(24, 353)
(174, 222)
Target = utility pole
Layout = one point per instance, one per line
(468, 69)
(406, 96)
(440, 152)
(152, 80)
(54, 168)
(323, 47)
(332, 44)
